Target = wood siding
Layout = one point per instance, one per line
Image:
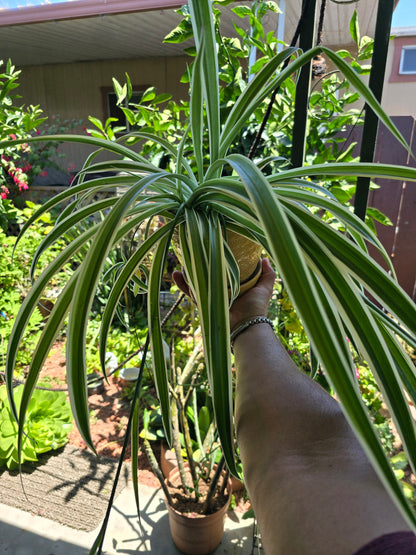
(397, 200)
(75, 90)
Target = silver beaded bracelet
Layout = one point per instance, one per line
(242, 327)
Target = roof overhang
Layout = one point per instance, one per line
(404, 31)
(89, 30)
(77, 9)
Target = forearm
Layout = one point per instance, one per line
(270, 386)
(301, 458)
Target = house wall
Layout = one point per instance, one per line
(399, 95)
(75, 91)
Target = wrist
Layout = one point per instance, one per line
(240, 317)
(244, 325)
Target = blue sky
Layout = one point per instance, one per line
(405, 14)
(19, 3)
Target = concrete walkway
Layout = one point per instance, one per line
(24, 534)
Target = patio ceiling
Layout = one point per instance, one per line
(87, 30)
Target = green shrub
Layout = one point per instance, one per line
(15, 282)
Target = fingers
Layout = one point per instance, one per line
(255, 301)
(268, 275)
(180, 282)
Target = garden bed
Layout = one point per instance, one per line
(109, 416)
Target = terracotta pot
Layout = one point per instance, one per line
(168, 462)
(196, 534)
(236, 484)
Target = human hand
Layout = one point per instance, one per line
(255, 301)
(182, 284)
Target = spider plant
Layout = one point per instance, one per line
(329, 275)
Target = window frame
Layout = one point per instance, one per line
(405, 48)
(106, 91)
(400, 42)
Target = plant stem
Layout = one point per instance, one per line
(98, 544)
(176, 444)
(156, 470)
(188, 370)
(188, 443)
(197, 429)
(225, 481)
(213, 485)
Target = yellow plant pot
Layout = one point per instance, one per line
(246, 252)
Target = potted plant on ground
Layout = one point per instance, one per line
(323, 261)
(196, 486)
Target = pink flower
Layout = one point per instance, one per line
(357, 373)
(3, 195)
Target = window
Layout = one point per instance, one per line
(408, 60)
(403, 68)
(111, 110)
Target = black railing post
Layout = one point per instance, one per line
(376, 81)
(306, 41)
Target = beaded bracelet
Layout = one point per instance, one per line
(242, 327)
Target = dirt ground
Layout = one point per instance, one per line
(109, 416)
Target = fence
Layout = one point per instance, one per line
(397, 200)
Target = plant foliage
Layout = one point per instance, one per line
(326, 269)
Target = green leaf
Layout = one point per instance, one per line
(203, 26)
(121, 91)
(122, 281)
(155, 331)
(251, 98)
(355, 29)
(149, 94)
(28, 306)
(181, 33)
(160, 98)
(135, 453)
(242, 11)
(378, 216)
(196, 114)
(218, 355)
(49, 334)
(84, 292)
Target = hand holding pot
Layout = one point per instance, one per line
(255, 301)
